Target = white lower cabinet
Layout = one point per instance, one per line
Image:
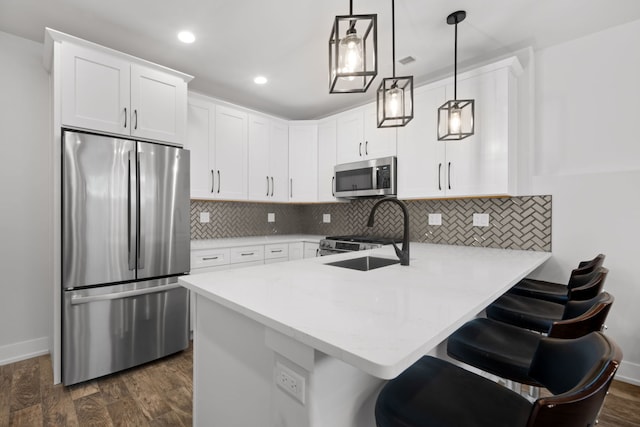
(296, 251)
(276, 253)
(311, 250)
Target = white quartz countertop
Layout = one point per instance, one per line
(253, 240)
(380, 321)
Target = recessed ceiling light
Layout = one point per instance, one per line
(186, 37)
(260, 80)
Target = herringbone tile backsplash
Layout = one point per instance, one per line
(514, 223)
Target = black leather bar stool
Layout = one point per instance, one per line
(558, 292)
(508, 351)
(436, 393)
(539, 315)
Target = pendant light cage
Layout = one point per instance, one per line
(456, 117)
(456, 120)
(394, 101)
(353, 59)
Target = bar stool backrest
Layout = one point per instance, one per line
(583, 317)
(591, 287)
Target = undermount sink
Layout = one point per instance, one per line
(364, 263)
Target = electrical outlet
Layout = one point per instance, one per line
(435, 219)
(290, 381)
(326, 218)
(271, 217)
(204, 217)
(480, 220)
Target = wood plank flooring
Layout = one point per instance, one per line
(160, 394)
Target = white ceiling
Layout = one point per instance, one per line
(287, 40)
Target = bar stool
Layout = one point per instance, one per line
(508, 351)
(436, 393)
(558, 292)
(539, 315)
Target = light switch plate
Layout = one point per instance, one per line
(326, 218)
(271, 217)
(435, 219)
(204, 217)
(480, 220)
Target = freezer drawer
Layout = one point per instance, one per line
(111, 328)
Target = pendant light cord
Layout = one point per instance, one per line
(455, 63)
(393, 36)
(350, 7)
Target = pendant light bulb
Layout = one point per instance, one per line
(455, 120)
(350, 59)
(394, 101)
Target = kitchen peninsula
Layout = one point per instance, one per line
(328, 335)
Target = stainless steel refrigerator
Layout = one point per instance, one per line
(125, 241)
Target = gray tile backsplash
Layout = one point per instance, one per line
(514, 222)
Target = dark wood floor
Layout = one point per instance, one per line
(160, 394)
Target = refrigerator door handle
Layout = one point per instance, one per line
(75, 300)
(131, 213)
(141, 236)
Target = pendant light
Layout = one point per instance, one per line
(456, 117)
(353, 59)
(394, 98)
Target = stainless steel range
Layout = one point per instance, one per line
(340, 244)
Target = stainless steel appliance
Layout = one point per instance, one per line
(367, 178)
(339, 244)
(125, 241)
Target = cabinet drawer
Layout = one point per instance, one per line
(276, 251)
(209, 258)
(247, 254)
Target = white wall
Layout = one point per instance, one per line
(587, 155)
(25, 259)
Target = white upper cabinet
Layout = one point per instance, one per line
(326, 160)
(359, 138)
(303, 162)
(268, 159)
(103, 91)
(217, 138)
(481, 165)
(230, 155)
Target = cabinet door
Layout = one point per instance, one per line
(326, 160)
(421, 157)
(350, 135)
(95, 90)
(296, 251)
(279, 161)
(200, 133)
(480, 164)
(303, 163)
(311, 250)
(158, 103)
(378, 142)
(258, 152)
(230, 154)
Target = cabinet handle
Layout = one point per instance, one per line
(272, 186)
(291, 188)
(449, 176)
(360, 149)
(209, 258)
(212, 181)
(439, 176)
(247, 253)
(366, 148)
(276, 252)
(135, 114)
(218, 182)
(317, 252)
(333, 191)
(125, 117)
(267, 186)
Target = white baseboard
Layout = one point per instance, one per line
(629, 373)
(23, 350)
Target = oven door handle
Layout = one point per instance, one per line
(75, 300)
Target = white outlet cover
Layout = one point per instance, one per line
(290, 381)
(271, 217)
(435, 219)
(326, 218)
(480, 220)
(204, 217)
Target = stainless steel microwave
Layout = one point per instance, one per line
(367, 178)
